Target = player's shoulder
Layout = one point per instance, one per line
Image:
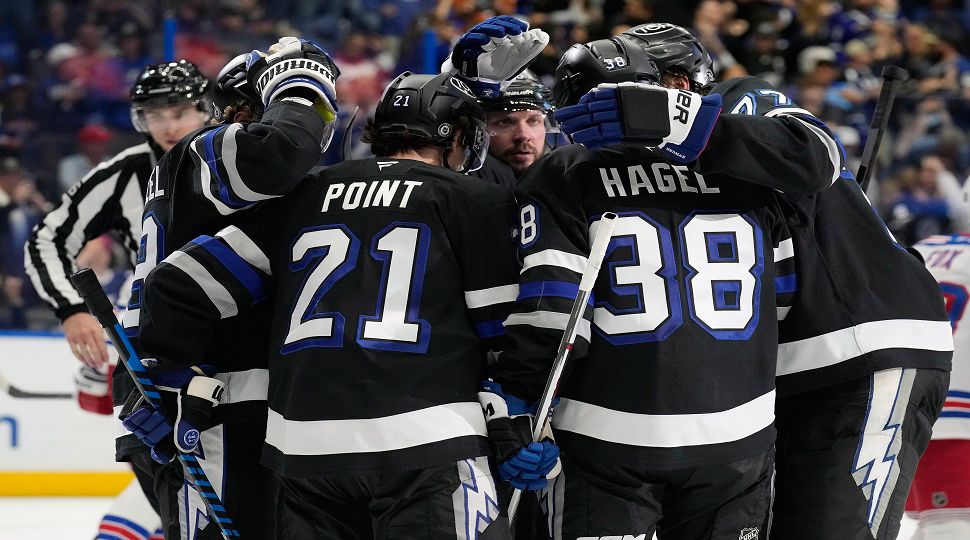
(132, 154)
(750, 95)
(558, 164)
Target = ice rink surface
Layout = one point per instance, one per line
(76, 518)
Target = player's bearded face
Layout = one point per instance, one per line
(517, 138)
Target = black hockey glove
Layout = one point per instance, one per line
(198, 393)
(522, 463)
(678, 122)
(295, 68)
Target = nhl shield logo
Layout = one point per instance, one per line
(749, 533)
(940, 499)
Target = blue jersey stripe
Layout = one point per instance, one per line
(560, 289)
(236, 265)
(129, 524)
(786, 284)
(210, 158)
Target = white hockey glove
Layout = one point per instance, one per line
(297, 68)
(494, 51)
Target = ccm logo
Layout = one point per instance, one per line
(615, 537)
(682, 102)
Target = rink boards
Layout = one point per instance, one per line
(51, 447)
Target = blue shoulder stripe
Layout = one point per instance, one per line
(237, 266)
(225, 195)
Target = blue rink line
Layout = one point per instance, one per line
(31, 333)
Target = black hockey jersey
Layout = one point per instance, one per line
(677, 365)
(198, 187)
(863, 302)
(389, 281)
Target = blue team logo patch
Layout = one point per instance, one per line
(190, 438)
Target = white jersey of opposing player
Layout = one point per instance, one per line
(948, 259)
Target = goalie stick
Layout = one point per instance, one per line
(593, 263)
(892, 77)
(24, 394)
(87, 285)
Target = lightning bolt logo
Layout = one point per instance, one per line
(874, 469)
(475, 500)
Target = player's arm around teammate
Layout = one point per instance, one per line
(787, 149)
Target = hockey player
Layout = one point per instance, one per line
(666, 418)
(518, 122)
(939, 499)
(388, 279)
(491, 58)
(168, 101)
(278, 120)
(864, 352)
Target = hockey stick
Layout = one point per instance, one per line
(892, 77)
(593, 263)
(24, 394)
(87, 285)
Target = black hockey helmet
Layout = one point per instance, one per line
(232, 87)
(672, 47)
(433, 107)
(168, 83)
(614, 60)
(524, 93)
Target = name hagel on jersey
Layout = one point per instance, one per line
(374, 364)
(948, 259)
(675, 361)
(198, 187)
(864, 303)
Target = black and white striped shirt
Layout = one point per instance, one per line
(109, 198)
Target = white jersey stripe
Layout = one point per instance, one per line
(248, 385)
(245, 248)
(491, 296)
(239, 187)
(554, 257)
(847, 343)
(665, 430)
(217, 293)
(548, 319)
(395, 432)
(785, 250)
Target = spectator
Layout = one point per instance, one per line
(93, 141)
(21, 207)
(919, 209)
(764, 55)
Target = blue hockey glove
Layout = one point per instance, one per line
(153, 430)
(295, 67)
(522, 463)
(494, 51)
(678, 122)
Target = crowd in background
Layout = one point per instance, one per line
(66, 67)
